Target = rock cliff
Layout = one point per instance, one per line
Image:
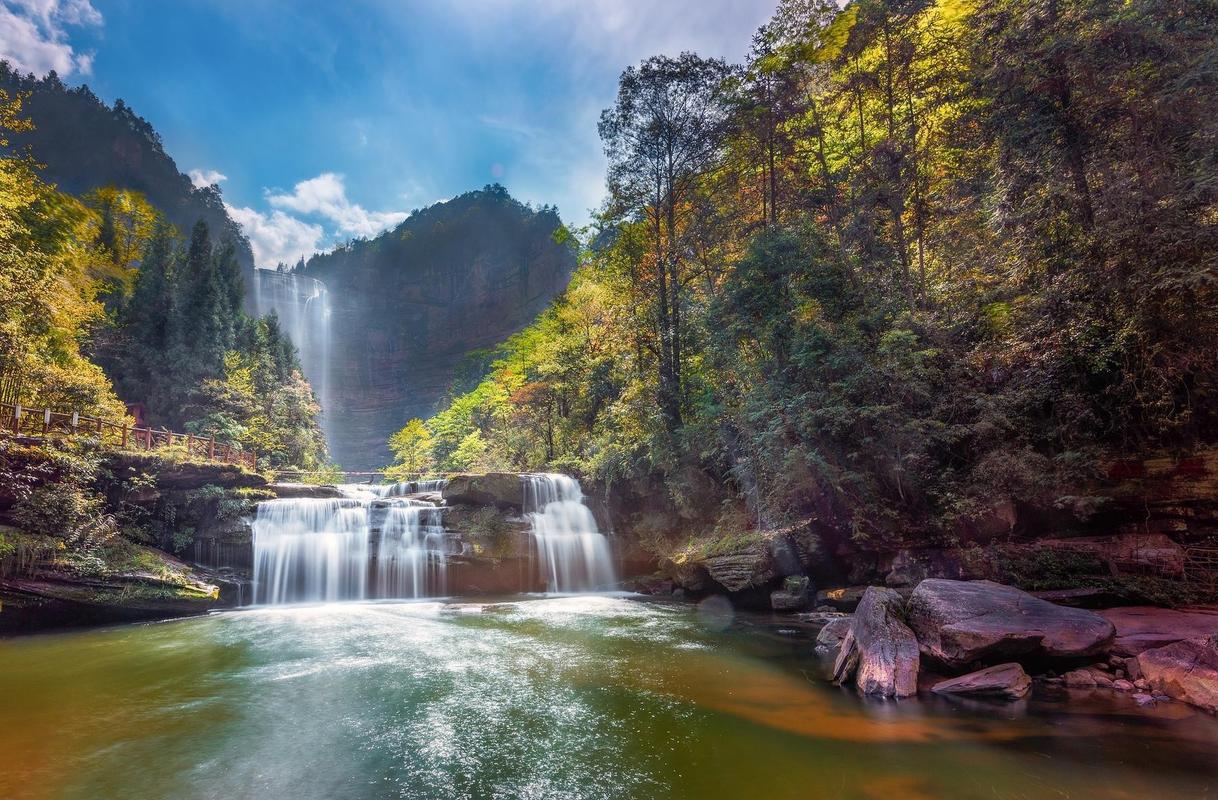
(419, 307)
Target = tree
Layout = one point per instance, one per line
(412, 451)
(661, 136)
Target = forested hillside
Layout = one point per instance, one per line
(106, 303)
(83, 144)
(909, 262)
(413, 305)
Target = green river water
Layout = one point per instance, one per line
(567, 697)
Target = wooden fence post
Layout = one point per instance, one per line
(124, 445)
(46, 421)
(211, 447)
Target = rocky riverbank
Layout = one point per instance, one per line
(983, 639)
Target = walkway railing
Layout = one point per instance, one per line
(45, 423)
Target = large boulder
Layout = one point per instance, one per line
(1140, 628)
(1008, 681)
(748, 565)
(1186, 670)
(829, 640)
(500, 489)
(961, 623)
(879, 648)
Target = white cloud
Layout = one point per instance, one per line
(326, 196)
(203, 178)
(277, 237)
(34, 37)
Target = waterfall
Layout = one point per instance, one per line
(357, 547)
(571, 552)
(303, 308)
(410, 558)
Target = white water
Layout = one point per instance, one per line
(311, 550)
(410, 558)
(303, 307)
(571, 552)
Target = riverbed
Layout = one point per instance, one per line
(561, 697)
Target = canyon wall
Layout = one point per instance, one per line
(419, 307)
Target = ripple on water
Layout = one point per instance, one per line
(563, 697)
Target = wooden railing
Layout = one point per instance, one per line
(45, 423)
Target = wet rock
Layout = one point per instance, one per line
(879, 649)
(1079, 679)
(1186, 670)
(1008, 681)
(1140, 628)
(1143, 699)
(1122, 686)
(829, 640)
(793, 595)
(294, 490)
(843, 599)
(1133, 669)
(500, 489)
(959, 623)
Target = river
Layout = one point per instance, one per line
(560, 697)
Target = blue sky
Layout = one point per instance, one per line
(326, 120)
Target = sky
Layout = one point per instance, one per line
(322, 120)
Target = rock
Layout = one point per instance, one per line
(1161, 698)
(1079, 679)
(1078, 598)
(1140, 628)
(1143, 699)
(793, 595)
(1008, 681)
(829, 640)
(1142, 684)
(1101, 679)
(182, 476)
(1122, 686)
(500, 489)
(744, 567)
(845, 599)
(879, 648)
(1144, 552)
(292, 490)
(1186, 670)
(959, 623)
(1133, 669)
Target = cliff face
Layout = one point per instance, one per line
(410, 308)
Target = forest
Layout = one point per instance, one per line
(910, 260)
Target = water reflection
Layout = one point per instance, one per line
(572, 697)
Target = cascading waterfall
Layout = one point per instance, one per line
(303, 307)
(572, 553)
(410, 560)
(357, 547)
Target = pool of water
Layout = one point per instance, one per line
(568, 697)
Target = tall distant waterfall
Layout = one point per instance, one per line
(303, 308)
(359, 546)
(572, 553)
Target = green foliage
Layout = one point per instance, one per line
(907, 262)
(50, 494)
(412, 449)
